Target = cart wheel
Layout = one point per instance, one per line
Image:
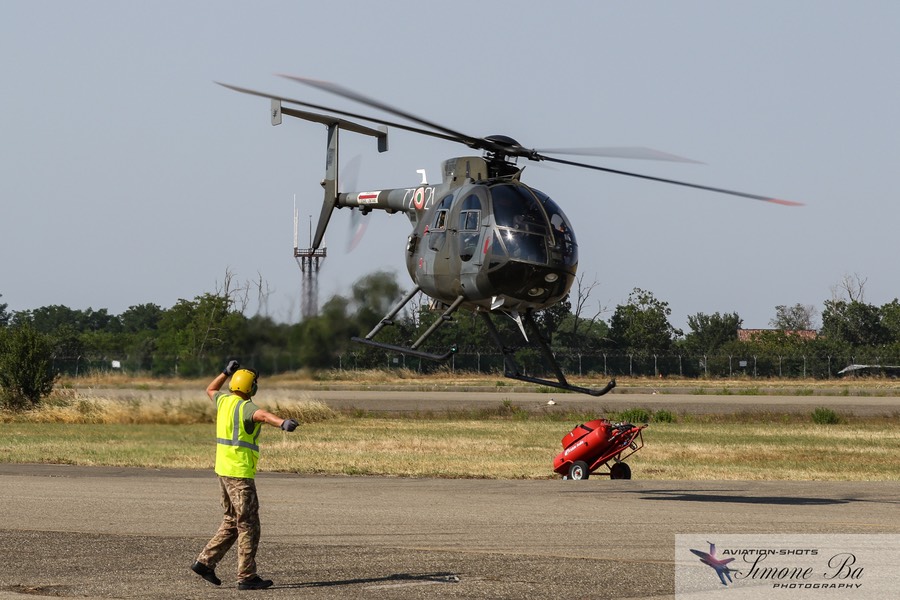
(579, 470)
(620, 470)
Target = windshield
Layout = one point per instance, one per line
(530, 225)
(521, 223)
(516, 207)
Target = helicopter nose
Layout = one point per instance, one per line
(535, 285)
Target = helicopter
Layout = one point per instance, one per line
(482, 239)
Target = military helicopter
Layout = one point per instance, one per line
(482, 239)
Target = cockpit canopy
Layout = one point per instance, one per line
(530, 227)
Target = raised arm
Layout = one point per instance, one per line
(216, 384)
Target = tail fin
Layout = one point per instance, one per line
(329, 183)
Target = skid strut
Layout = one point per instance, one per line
(511, 367)
(414, 349)
(513, 371)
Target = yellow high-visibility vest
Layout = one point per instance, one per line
(237, 450)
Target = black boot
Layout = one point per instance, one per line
(207, 573)
(254, 583)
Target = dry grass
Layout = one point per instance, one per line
(405, 447)
(175, 429)
(505, 448)
(455, 380)
(797, 451)
(68, 407)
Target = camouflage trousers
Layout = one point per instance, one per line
(240, 523)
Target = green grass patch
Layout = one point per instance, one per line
(825, 416)
(663, 416)
(634, 415)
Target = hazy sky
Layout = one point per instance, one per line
(127, 176)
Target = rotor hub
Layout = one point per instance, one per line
(501, 154)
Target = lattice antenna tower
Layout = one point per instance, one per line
(310, 261)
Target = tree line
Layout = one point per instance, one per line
(192, 337)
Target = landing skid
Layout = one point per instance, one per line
(563, 385)
(513, 371)
(511, 367)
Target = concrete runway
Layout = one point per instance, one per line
(132, 533)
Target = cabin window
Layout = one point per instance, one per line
(438, 233)
(471, 203)
(469, 220)
(469, 226)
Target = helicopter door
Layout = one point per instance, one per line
(437, 235)
(465, 237)
(469, 232)
(439, 243)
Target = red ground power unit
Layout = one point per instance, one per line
(596, 444)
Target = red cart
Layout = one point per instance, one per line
(596, 444)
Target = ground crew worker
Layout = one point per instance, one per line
(238, 424)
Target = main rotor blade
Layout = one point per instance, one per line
(496, 146)
(674, 182)
(339, 112)
(635, 152)
(338, 90)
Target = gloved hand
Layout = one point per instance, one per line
(289, 424)
(231, 367)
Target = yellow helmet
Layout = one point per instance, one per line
(244, 381)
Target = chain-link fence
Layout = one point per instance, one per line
(572, 362)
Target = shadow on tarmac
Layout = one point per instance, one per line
(397, 578)
(709, 496)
